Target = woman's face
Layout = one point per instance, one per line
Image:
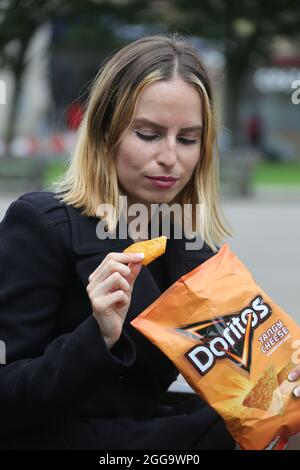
(162, 142)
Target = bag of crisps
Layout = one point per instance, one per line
(233, 345)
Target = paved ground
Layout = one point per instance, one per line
(267, 238)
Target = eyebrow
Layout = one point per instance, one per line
(159, 126)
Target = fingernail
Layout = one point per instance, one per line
(292, 376)
(296, 392)
(140, 255)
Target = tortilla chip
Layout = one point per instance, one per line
(152, 249)
(284, 372)
(261, 395)
(276, 406)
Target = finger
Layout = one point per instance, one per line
(294, 374)
(135, 269)
(296, 391)
(118, 298)
(124, 258)
(110, 267)
(115, 282)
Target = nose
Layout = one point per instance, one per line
(168, 154)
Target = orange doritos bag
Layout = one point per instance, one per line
(233, 345)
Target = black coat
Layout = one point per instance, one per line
(60, 383)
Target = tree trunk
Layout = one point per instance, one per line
(12, 112)
(17, 69)
(234, 84)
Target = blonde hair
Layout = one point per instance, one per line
(91, 177)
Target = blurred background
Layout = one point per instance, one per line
(50, 52)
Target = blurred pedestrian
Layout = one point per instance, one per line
(74, 115)
(255, 130)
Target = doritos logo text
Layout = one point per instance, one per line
(228, 336)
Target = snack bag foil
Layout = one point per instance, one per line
(233, 345)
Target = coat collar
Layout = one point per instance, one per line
(85, 242)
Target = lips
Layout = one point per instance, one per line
(162, 182)
(162, 178)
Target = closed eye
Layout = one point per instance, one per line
(146, 137)
(185, 141)
(150, 137)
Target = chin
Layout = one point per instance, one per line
(161, 200)
(154, 198)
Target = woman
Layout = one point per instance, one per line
(77, 374)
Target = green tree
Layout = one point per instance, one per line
(245, 31)
(19, 20)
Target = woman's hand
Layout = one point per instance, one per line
(292, 377)
(109, 290)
